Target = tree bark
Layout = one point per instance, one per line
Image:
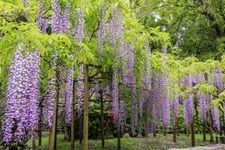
(154, 130)
(119, 129)
(53, 129)
(204, 131)
(72, 118)
(177, 126)
(40, 125)
(174, 133)
(85, 114)
(80, 128)
(211, 130)
(223, 122)
(192, 134)
(102, 118)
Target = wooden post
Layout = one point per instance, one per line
(85, 115)
(102, 118)
(53, 129)
(73, 117)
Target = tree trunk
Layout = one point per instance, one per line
(33, 144)
(174, 133)
(154, 130)
(211, 130)
(40, 124)
(102, 118)
(119, 129)
(223, 122)
(85, 115)
(80, 128)
(164, 131)
(72, 118)
(192, 134)
(53, 129)
(204, 131)
(177, 126)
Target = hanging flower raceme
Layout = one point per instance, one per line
(60, 18)
(188, 103)
(34, 71)
(216, 118)
(101, 30)
(80, 89)
(21, 111)
(79, 35)
(25, 3)
(64, 24)
(175, 108)
(156, 98)
(197, 78)
(202, 102)
(56, 18)
(218, 78)
(79, 30)
(129, 62)
(50, 96)
(115, 96)
(148, 80)
(62, 89)
(41, 22)
(69, 95)
(164, 83)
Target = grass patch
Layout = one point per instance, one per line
(159, 142)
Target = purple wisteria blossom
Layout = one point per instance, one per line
(202, 102)
(101, 31)
(79, 30)
(216, 118)
(147, 79)
(188, 103)
(174, 104)
(164, 84)
(60, 18)
(69, 95)
(41, 22)
(21, 111)
(50, 96)
(80, 89)
(115, 96)
(218, 78)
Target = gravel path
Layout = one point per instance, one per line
(210, 147)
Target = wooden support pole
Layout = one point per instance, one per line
(85, 114)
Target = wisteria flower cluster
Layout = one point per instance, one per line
(21, 111)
